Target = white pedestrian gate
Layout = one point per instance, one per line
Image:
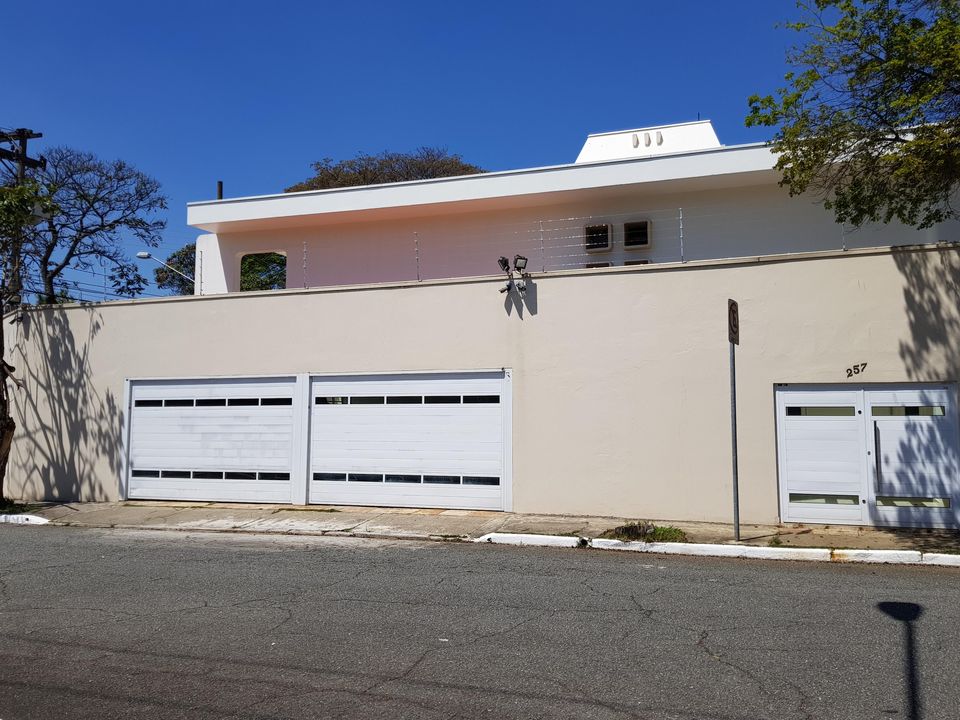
(218, 440)
(411, 440)
(869, 455)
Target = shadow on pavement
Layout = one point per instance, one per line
(907, 614)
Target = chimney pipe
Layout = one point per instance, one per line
(219, 189)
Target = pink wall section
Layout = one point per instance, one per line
(739, 222)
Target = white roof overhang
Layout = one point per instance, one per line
(716, 168)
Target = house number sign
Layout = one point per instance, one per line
(856, 369)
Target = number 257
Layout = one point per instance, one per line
(856, 369)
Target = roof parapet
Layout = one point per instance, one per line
(649, 141)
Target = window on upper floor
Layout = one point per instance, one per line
(597, 238)
(636, 235)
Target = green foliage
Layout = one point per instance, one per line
(183, 260)
(647, 532)
(263, 271)
(21, 206)
(870, 118)
(260, 271)
(9, 507)
(387, 167)
(87, 209)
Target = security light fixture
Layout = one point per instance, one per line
(504, 264)
(520, 264)
(522, 287)
(507, 286)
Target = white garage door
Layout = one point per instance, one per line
(218, 440)
(871, 455)
(410, 441)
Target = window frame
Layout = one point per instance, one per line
(638, 246)
(586, 238)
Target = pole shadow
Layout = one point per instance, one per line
(907, 614)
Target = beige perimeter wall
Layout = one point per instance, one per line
(620, 385)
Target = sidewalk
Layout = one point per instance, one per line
(428, 524)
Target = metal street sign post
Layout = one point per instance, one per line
(733, 334)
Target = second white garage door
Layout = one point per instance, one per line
(411, 440)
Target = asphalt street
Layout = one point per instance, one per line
(123, 624)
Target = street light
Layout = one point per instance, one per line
(144, 255)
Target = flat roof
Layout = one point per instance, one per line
(720, 164)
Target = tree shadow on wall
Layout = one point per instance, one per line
(924, 461)
(68, 433)
(931, 295)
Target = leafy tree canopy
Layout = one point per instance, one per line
(870, 117)
(387, 167)
(183, 260)
(86, 208)
(260, 271)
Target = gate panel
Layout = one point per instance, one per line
(216, 440)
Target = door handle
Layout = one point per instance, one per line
(876, 455)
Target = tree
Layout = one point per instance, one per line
(75, 212)
(870, 118)
(184, 260)
(263, 271)
(99, 205)
(387, 167)
(260, 271)
(21, 206)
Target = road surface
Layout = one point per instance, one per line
(122, 624)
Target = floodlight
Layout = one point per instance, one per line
(519, 263)
(504, 264)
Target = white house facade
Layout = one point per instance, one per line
(403, 366)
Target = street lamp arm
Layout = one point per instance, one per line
(170, 267)
(144, 255)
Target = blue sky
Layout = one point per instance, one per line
(253, 92)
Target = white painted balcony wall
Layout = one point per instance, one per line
(740, 222)
(712, 203)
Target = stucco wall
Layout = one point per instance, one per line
(620, 378)
(722, 223)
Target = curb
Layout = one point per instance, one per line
(23, 519)
(892, 557)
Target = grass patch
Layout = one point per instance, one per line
(646, 532)
(775, 541)
(9, 507)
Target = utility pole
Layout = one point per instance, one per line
(18, 139)
(12, 271)
(11, 284)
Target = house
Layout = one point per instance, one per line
(403, 366)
